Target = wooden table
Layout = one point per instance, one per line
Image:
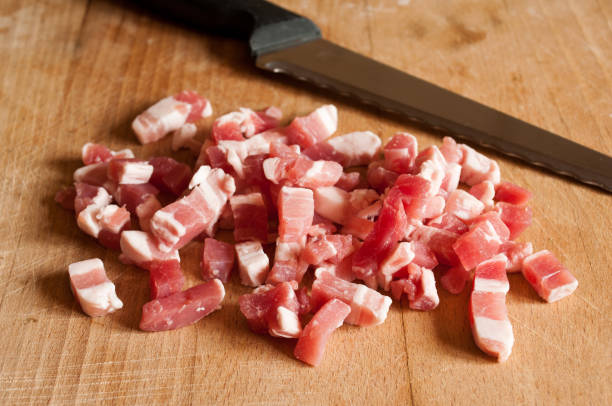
(74, 71)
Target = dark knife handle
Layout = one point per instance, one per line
(266, 26)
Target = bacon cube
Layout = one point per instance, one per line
(295, 213)
(440, 242)
(250, 217)
(165, 279)
(253, 263)
(332, 248)
(146, 210)
(511, 193)
(380, 178)
(317, 126)
(92, 288)
(134, 195)
(142, 250)
(400, 152)
(423, 255)
(476, 168)
(516, 218)
(169, 175)
(218, 259)
(550, 279)
(485, 192)
(451, 151)
(356, 148)
(463, 205)
(349, 181)
(87, 195)
(448, 222)
(454, 279)
(200, 106)
(332, 203)
(288, 264)
(96, 153)
(184, 137)
(163, 117)
(426, 296)
(94, 174)
(477, 245)
(401, 256)
(516, 252)
(182, 308)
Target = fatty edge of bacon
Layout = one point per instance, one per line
(547, 275)
(253, 263)
(92, 288)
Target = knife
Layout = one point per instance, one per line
(284, 42)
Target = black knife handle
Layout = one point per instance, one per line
(266, 26)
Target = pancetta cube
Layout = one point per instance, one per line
(317, 126)
(250, 217)
(477, 245)
(170, 176)
(92, 288)
(547, 275)
(288, 263)
(218, 259)
(511, 193)
(400, 257)
(253, 263)
(295, 213)
(400, 152)
(165, 279)
(516, 218)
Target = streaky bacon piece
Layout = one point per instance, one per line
(408, 279)
(253, 263)
(141, 249)
(250, 217)
(426, 297)
(454, 279)
(218, 260)
(516, 252)
(146, 210)
(94, 174)
(511, 193)
(182, 308)
(400, 152)
(368, 307)
(87, 195)
(94, 153)
(273, 310)
(295, 213)
(423, 255)
(439, 241)
(178, 223)
(349, 181)
(332, 203)
(332, 248)
(400, 257)
(482, 242)
(317, 126)
(451, 151)
(516, 218)
(165, 279)
(132, 196)
(311, 344)
(463, 205)
(113, 218)
(92, 288)
(65, 197)
(244, 123)
(129, 171)
(356, 148)
(183, 136)
(448, 222)
(491, 327)
(163, 117)
(170, 176)
(380, 178)
(494, 218)
(200, 106)
(485, 192)
(476, 168)
(288, 264)
(550, 279)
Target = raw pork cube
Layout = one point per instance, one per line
(368, 307)
(401, 256)
(273, 310)
(163, 117)
(87, 195)
(550, 279)
(439, 241)
(253, 263)
(379, 177)
(332, 203)
(314, 337)
(146, 210)
(182, 308)
(133, 196)
(288, 264)
(476, 168)
(463, 205)
(357, 148)
(332, 248)
(244, 123)
(94, 291)
(517, 218)
(142, 249)
(200, 106)
(477, 245)
(94, 174)
(250, 217)
(348, 181)
(218, 259)
(516, 252)
(448, 222)
(400, 152)
(426, 296)
(491, 327)
(170, 176)
(317, 126)
(451, 151)
(423, 255)
(96, 153)
(295, 213)
(485, 192)
(165, 279)
(511, 193)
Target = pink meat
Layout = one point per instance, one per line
(311, 344)
(485, 192)
(516, 252)
(250, 217)
(303, 298)
(273, 310)
(379, 177)
(163, 117)
(317, 126)
(349, 181)
(550, 279)
(133, 196)
(96, 153)
(331, 248)
(94, 174)
(476, 168)
(113, 218)
(170, 176)
(182, 308)
(178, 223)
(426, 296)
(142, 249)
(451, 151)
(463, 205)
(494, 218)
(423, 255)
(434, 207)
(86, 195)
(320, 226)
(288, 264)
(146, 210)
(439, 241)
(448, 222)
(253, 263)
(357, 148)
(491, 327)
(332, 203)
(65, 197)
(357, 227)
(400, 257)
(516, 218)
(218, 260)
(368, 307)
(454, 279)
(477, 245)
(295, 213)
(200, 106)
(165, 279)
(400, 152)
(244, 123)
(129, 171)
(511, 193)
(452, 174)
(92, 288)
(184, 137)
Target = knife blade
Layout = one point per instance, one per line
(284, 42)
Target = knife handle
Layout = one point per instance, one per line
(267, 27)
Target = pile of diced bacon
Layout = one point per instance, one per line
(441, 213)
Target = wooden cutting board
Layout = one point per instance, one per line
(76, 71)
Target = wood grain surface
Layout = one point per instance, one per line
(73, 71)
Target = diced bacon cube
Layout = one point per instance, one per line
(332, 248)
(448, 222)
(516, 218)
(250, 217)
(169, 175)
(426, 297)
(423, 255)
(288, 264)
(218, 260)
(332, 203)
(65, 197)
(87, 195)
(454, 279)
(273, 310)
(356, 148)
(113, 218)
(146, 210)
(414, 192)
(200, 106)
(451, 151)
(360, 199)
(131, 196)
(516, 252)
(477, 245)
(439, 241)
(104, 223)
(317, 126)
(400, 152)
(129, 171)
(244, 123)
(368, 307)
(253, 263)
(476, 167)
(316, 333)
(550, 279)
(183, 136)
(94, 174)
(491, 327)
(182, 308)
(165, 279)
(484, 191)
(304, 300)
(92, 288)
(320, 226)
(95, 153)
(511, 193)
(141, 249)
(324, 151)
(494, 218)
(463, 205)
(163, 117)
(451, 177)
(349, 181)
(357, 227)
(295, 213)
(379, 177)
(313, 174)
(400, 257)
(434, 207)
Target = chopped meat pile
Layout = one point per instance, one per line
(410, 222)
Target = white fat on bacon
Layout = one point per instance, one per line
(288, 324)
(92, 288)
(332, 203)
(358, 148)
(402, 255)
(253, 263)
(184, 136)
(163, 117)
(463, 205)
